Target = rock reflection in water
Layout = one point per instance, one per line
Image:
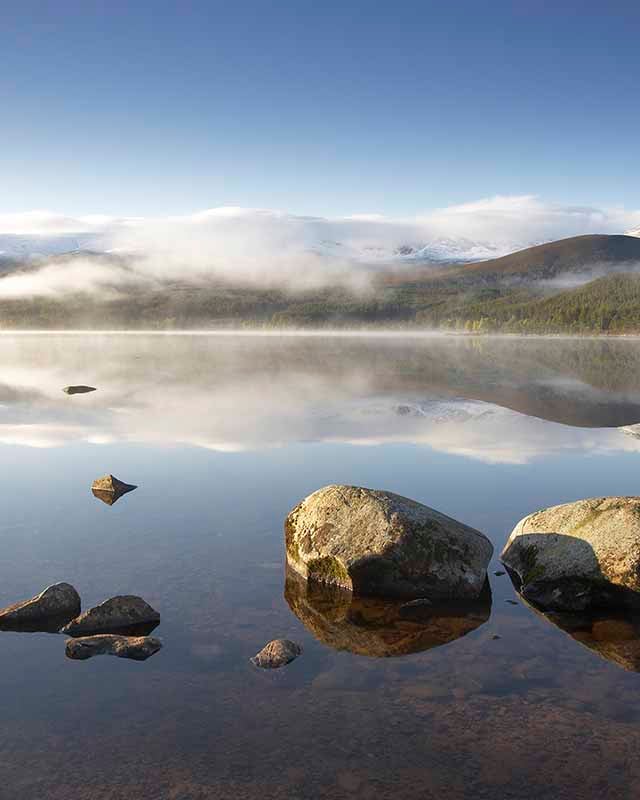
(615, 637)
(49, 625)
(109, 489)
(379, 628)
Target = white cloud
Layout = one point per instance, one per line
(270, 247)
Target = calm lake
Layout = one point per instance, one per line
(224, 434)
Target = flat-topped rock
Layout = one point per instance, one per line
(117, 614)
(138, 648)
(48, 610)
(378, 543)
(578, 555)
(79, 389)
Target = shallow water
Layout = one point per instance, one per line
(223, 435)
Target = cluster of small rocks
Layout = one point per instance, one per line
(114, 627)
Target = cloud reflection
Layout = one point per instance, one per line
(232, 395)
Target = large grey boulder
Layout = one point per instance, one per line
(378, 543)
(48, 610)
(139, 648)
(578, 555)
(115, 615)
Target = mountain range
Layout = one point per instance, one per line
(439, 250)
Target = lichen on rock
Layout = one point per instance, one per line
(578, 555)
(378, 543)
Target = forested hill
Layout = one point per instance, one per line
(587, 284)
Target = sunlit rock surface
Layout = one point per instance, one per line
(47, 611)
(276, 654)
(379, 628)
(373, 542)
(116, 615)
(138, 648)
(110, 489)
(578, 555)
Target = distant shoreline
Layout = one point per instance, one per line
(315, 333)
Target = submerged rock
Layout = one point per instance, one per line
(80, 389)
(116, 615)
(579, 555)
(378, 543)
(416, 609)
(379, 628)
(276, 654)
(138, 648)
(110, 489)
(47, 611)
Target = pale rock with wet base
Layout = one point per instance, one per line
(578, 555)
(378, 543)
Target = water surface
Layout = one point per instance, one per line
(223, 435)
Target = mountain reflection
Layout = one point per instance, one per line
(489, 399)
(378, 628)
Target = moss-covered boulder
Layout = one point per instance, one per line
(381, 544)
(578, 555)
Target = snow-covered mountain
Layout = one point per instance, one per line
(434, 251)
(33, 246)
(449, 250)
(442, 250)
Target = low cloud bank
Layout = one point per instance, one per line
(277, 249)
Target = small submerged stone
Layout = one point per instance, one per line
(138, 648)
(416, 609)
(80, 389)
(499, 573)
(110, 489)
(47, 611)
(276, 654)
(117, 614)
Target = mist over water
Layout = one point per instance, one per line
(487, 398)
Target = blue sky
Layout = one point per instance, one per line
(151, 108)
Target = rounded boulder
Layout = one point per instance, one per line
(377, 543)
